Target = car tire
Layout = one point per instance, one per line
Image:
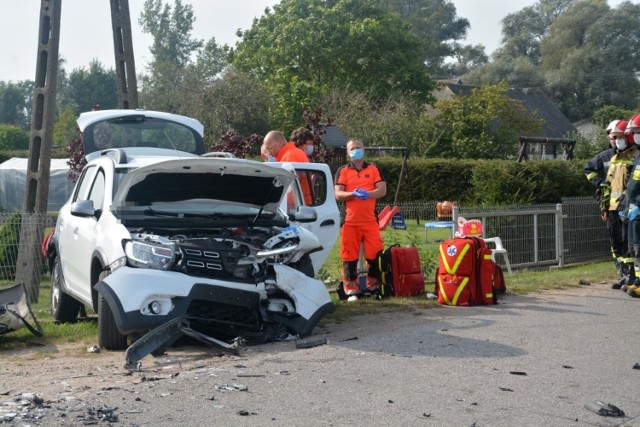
(109, 337)
(305, 266)
(64, 308)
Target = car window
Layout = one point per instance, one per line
(138, 131)
(313, 185)
(84, 183)
(97, 190)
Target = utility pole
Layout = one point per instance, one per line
(40, 142)
(29, 262)
(123, 49)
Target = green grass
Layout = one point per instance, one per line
(85, 332)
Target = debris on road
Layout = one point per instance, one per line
(604, 409)
(311, 343)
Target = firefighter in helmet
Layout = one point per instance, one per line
(596, 172)
(632, 132)
(617, 178)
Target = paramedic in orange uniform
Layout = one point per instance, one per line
(283, 151)
(359, 184)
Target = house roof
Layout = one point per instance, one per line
(334, 138)
(555, 123)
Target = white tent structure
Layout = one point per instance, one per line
(13, 177)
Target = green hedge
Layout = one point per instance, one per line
(485, 182)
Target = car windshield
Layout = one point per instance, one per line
(141, 131)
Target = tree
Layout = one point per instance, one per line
(171, 52)
(517, 61)
(435, 23)
(15, 103)
(396, 121)
(608, 113)
(485, 124)
(236, 102)
(65, 129)
(467, 58)
(86, 87)
(13, 138)
(589, 62)
(523, 31)
(303, 48)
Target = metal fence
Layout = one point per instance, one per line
(12, 226)
(534, 236)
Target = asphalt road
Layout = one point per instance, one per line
(529, 361)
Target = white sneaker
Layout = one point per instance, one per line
(352, 298)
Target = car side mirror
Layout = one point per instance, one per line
(304, 214)
(83, 209)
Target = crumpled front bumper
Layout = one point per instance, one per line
(130, 293)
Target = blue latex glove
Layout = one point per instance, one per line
(622, 214)
(359, 193)
(633, 212)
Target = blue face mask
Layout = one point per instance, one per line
(271, 159)
(357, 154)
(309, 150)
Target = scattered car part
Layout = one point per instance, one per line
(15, 309)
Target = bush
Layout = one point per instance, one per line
(485, 182)
(13, 138)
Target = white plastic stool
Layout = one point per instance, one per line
(498, 249)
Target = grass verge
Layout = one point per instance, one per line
(85, 332)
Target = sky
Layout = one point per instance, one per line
(85, 32)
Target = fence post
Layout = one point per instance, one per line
(560, 235)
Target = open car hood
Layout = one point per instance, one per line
(240, 181)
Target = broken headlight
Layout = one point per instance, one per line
(142, 254)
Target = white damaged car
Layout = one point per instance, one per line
(159, 237)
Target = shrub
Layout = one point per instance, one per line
(13, 138)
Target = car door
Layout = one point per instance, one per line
(78, 237)
(315, 189)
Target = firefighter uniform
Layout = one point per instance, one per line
(596, 172)
(617, 178)
(361, 222)
(632, 205)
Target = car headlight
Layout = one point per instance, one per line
(148, 255)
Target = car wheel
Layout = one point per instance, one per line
(305, 266)
(109, 337)
(64, 308)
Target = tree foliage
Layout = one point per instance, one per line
(435, 24)
(395, 121)
(304, 47)
(87, 87)
(581, 52)
(13, 138)
(235, 102)
(485, 124)
(15, 103)
(586, 58)
(173, 76)
(608, 113)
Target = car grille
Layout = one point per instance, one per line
(206, 258)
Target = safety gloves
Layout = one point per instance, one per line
(361, 194)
